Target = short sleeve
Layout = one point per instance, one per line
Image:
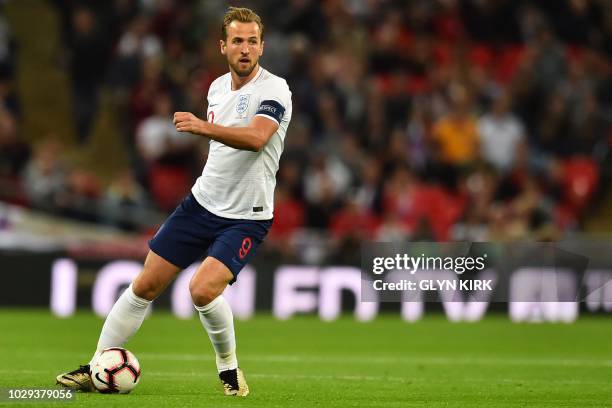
(275, 100)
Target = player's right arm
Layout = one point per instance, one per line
(252, 137)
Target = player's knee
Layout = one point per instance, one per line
(147, 285)
(202, 294)
(144, 289)
(156, 274)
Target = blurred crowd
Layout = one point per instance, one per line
(419, 120)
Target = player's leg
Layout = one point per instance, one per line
(235, 244)
(127, 314)
(206, 287)
(178, 243)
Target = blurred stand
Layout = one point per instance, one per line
(420, 120)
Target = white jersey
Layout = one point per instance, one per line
(238, 183)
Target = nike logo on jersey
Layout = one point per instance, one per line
(212, 104)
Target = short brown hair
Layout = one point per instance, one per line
(243, 15)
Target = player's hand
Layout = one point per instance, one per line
(188, 122)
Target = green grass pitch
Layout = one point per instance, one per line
(305, 362)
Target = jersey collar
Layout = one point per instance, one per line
(255, 78)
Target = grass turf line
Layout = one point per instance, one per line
(306, 362)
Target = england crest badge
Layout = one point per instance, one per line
(243, 104)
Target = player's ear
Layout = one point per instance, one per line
(261, 48)
(222, 46)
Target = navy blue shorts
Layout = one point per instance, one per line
(192, 231)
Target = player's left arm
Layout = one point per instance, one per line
(252, 137)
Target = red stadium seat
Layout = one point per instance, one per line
(580, 176)
(288, 218)
(169, 184)
(442, 53)
(508, 61)
(418, 85)
(353, 221)
(482, 55)
(443, 209)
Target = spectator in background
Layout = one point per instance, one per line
(418, 134)
(377, 86)
(375, 127)
(44, 176)
(144, 94)
(121, 13)
(156, 134)
(350, 226)
(578, 21)
(168, 162)
(472, 228)
(553, 125)
(89, 49)
(14, 152)
(402, 197)
(454, 139)
(481, 187)
(123, 200)
(350, 154)
(579, 90)
(391, 229)
(326, 180)
(157, 138)
(368, 191)
(289, 218)
(501, 135)
(7, 46)
(80, 194)
(134, 44)
(353, 222)
(578, 84)
(546, 59)
(397, 150)
(588, 128)
(522, 217)
(9, 100)
(456, 134)
(14, 155)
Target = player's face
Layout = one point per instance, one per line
(243, 47)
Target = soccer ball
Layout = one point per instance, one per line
(115, 370)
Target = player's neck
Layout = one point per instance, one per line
(238, 81)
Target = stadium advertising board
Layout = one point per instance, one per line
(543, 282)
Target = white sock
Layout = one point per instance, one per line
(218, 320)
(123, 321)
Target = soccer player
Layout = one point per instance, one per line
(229, 211)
